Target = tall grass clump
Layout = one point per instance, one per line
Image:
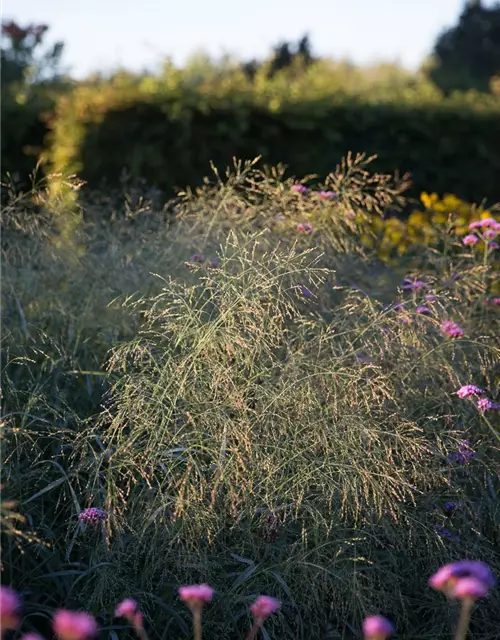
(277, 411)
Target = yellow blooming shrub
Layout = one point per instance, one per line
(395, 237)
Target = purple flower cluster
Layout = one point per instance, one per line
(466, 579)
(305, 227)
(299, 188)
(464, 454)
(328, 195)
(92, 515)
(450, 507)
(468, 390)
(413, 284)
(446, 533)
(452, 329)
(487, 223)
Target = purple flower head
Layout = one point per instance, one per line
(430, 298)
(423, 310)
(464, 454)
(328, 195)
(305, 291)
(412, 284)
(493, 245)
(214, 263)
(92, 515)
(493, 301)
(305, 227)
(469, 390)
(470, 239)
(451, 329)
(443, 532)
(450, 576)
(299, 188)
(487, 223)
(489, 234)
(197, 257)
(377, 628)
(450, 507)
(485, 404)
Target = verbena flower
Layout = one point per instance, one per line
(10, 609)
(468, 390)
(493, 301)
(305, 227)
(196, 594)
(264, 606)
(410, 284)
(485, 404)
(197, 257)
(430, 298)
(485, 224)
(450, 507)
(74, 625)
(299, 188)
(423, 310)
(305, 291)
(328, 195)
(489, 234)
(470, 239)
(446, 533)
(450, 579)
(452, 329)
(464, 454)
(92, 515)
(377, 628)
(127, 609)
(493, 245)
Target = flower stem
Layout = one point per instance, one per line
(253, 631)
(197, 623)
(463, 622)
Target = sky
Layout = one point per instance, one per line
(102, 35)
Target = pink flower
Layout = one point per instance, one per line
(423, 310)
(469, 390)
(377, 628)
(495, 301)
(305, 227)
(328, 195)
(196, 593)
(448, 576)
(299, 188)
(451, 329)
(126, 609)
(470, 588)
(489, 234)
(10, 609)
(92, 515)
(470, 239)
(74, 625)
(485, 404)
(264, 606)
(485, 224)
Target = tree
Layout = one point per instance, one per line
(467, 56)
(21, 61)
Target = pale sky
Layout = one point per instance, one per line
(101, 35)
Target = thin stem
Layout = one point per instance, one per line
(253, 631)
(197, 623)
(463, 622)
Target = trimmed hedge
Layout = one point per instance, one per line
(170, 138)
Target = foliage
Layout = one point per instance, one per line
(167, 131)
(268, 421)
(468, 55)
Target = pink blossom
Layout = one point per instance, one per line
(126, 609)
(328, 195)
(468, 390)
(299, 188)
(494, 301)
(377, 628)
(451, 329)
(485, 404)
(264, 606)
(423, 310)
(410, 284)
(489, 234)
(10, 608)
(305, 227)
(74, 625)
(485, 224)
(31, 636)
(196, 593)
(470, 239)
(470, 588)
(448, 576)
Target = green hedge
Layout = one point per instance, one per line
(23, 134)
(170, 139)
